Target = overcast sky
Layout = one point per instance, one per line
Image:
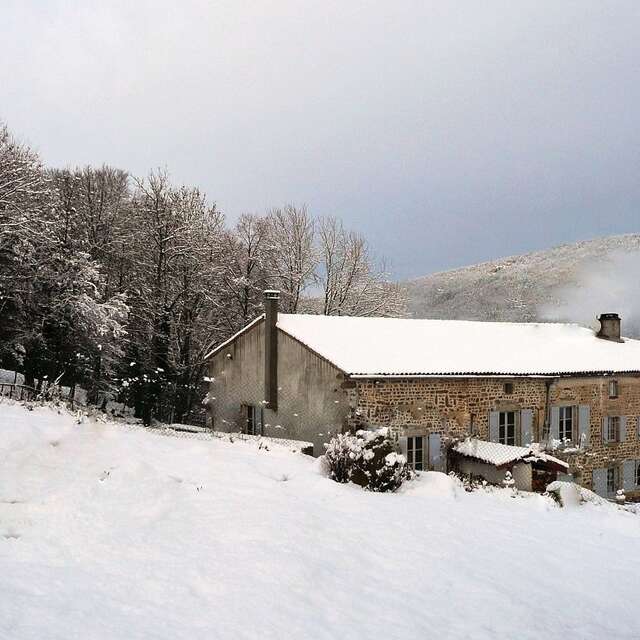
(447, 132)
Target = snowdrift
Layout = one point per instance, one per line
(109, 531)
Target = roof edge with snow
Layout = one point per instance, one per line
(234, 337)
(405, 348)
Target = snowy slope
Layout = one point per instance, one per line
(110, 532)
(522, 288)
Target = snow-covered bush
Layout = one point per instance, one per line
(468, 481)
(569, 494)
(367, 458)
(339, 455)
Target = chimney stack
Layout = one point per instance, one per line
(609, 327)
(271, 299)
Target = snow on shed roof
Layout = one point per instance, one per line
(400, 347)
(500, 454)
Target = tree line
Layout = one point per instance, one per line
(120, 285)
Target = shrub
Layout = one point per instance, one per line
(367, 458)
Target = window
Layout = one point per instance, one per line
(415, 452)
(508, 388)
(637, 478)
(612, 484)
(507, 427)
(566, 423)
(612, 429)
(613, 388)
(252, 417)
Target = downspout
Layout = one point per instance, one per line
(544, 436)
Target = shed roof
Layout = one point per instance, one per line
(500, 454)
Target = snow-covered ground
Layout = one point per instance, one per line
(110, 531)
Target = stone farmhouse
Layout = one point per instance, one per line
(473, 396)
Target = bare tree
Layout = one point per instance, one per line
(245, 271)
(292, 257)
(351, 282)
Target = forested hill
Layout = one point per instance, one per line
(568, 282)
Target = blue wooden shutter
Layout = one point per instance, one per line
(600, 482)
(494, 428)
(584, 425)
(436, 461)
(526, 424)
(402, 443)
(555, 423)
(605, 431)
(629, 475)
(623, 428)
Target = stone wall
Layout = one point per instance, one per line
(452, 407)
(457, 407)
(595, 393)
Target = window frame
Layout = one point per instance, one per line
(615, 420)
(504, 425)
(412, 450)
(611, 480)
(614, 389)
(252, 419)
(562, 422)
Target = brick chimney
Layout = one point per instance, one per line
(609, 327)
(271, 299)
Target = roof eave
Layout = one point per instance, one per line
(234, 337)
(491, 374)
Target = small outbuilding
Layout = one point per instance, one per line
(532, 469)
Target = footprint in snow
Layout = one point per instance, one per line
(11, 535)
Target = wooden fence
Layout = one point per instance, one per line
(17, 391)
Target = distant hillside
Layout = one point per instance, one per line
(569, 282)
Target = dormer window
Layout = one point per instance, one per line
(613, 388)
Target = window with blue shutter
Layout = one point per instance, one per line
(629, 475)
(493, 426)
(526, 426)
(612, 480)
(599, 477)
(253, 420)
(436, 459)
(566, 423)
(402, 443)
(584, 424)
(614, 429)
(555, 423)
(507, 428)
(415, 452)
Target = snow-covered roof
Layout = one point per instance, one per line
(399, 347)
(501, 454)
